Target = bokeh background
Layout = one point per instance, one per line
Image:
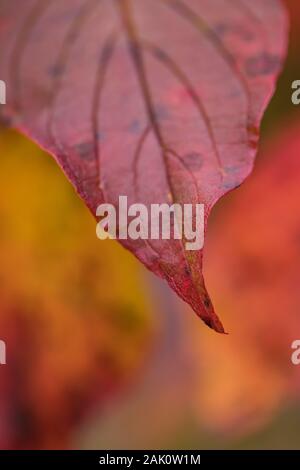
(103, 355)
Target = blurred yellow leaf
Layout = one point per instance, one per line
(73, 309)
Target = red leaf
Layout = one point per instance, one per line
(158, 100)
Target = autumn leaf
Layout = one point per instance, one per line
(159, 101)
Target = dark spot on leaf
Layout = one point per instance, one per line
(221, 29)
(56, 71)
(106, 52)
(135, 127)
(232, 169)
(207, 302)
(232, 179)
(187, 271)
(135, 52)
(161, 112)
(262, 64)
(229, 185)
(85, 150)
(100, 135)
(193, 160)
(159, 53)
